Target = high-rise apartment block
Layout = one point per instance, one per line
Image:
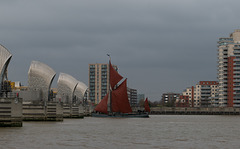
(229, 70)
(98, 81)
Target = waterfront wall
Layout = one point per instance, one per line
(10, 112)
(73, 111)
(194, 111)
(42, 111)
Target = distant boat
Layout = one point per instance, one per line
(146, 106)
(115, 103)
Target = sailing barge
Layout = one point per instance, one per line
(115, 103)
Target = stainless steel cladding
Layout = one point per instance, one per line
(40, 77)
(5, 57)
(80, 91)
(66, 86)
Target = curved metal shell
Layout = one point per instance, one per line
(5, 57)
(80, 90)
(40, 77)
(66, 86)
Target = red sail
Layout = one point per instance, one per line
(120, 101)
(115, 77)
(146, 105)
(102, 106)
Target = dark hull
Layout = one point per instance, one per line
(134, 115)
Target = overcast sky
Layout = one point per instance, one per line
(159, 45)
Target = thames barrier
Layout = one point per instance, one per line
(38, 101)
(10, 103)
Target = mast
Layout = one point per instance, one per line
(109, 84)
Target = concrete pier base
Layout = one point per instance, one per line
(11, 112)
(73, 111)
(88, 110)
(42, 111)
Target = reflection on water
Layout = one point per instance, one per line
(163, 131)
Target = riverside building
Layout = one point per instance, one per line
(229, 70)
(203, 94)
(98, 81)
(169, 98)
(132, 96)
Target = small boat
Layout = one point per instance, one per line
(146, 106)
(115, 104)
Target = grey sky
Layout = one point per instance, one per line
(159, 45)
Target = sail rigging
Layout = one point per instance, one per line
(102, 106)
(115, 77)
(120, 101)
(118, 95)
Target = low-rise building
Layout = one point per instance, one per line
(168, 99)
(203, 94)
(182, 101)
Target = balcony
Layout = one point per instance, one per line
(225, 90)
(236, 52)
(236, 80)
(206, 87)
(236, 85)
(236, 72)
(224, 68)
(236, 101)
(220, 62)
(220, 66)
(235, 46)
(225, 52)
(220, 78)
(236, 76)
(236, 60)
(236, 88)
(222, 72)
(205, 95)
(224, 80)
(225, 40)
(225, 77)
(236, 64)
(225, 60)
(236, 68)
(236, 97)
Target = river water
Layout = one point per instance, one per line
(156, 132)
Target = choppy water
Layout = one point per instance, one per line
(163, 131)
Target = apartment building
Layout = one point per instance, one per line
(132, 97)
(169, 98)
(203, 94)
(182, 101)
(229, 70)
(98, 81)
